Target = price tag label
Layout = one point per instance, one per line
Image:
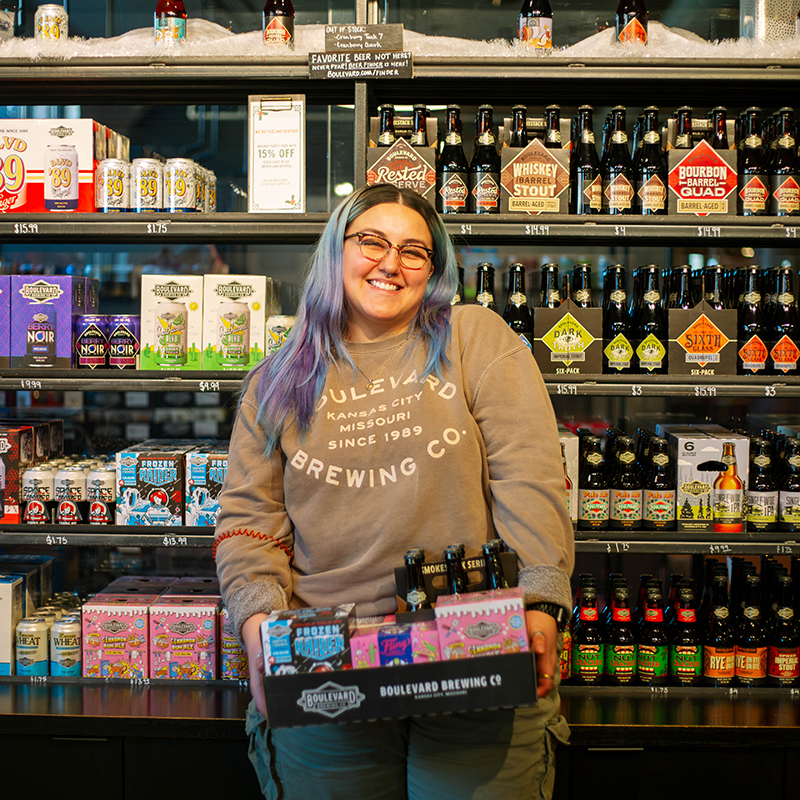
(705, 391)
(140, 681)
(636, 390)
(26, 227)
(157, 227)
(784, 550)
(791, 233)
(566, 388)
(619, 230)
(617, 547)
(659, 689)
(719, 548)
(466, 230)
(30, 384)
(277, 148)
(537, 230)
(58, 541)
(175, 541)
(209, 386)
(770, 391)
(709, 231)
(38, 678)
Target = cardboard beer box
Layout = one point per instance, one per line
(404, 166)
(702, 181)
(571, 443)
(568, 340)
(534, 179)
(16, 455)
(233, 333)
(172, 322)
(45, 565)
(702, 341)
(49, 164)
(11, 612)
(43, 314)
(233, 664)
(205, 473)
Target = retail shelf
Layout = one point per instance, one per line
(106, 536)
(680, 543)
(108, 380)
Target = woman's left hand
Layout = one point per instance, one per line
(544, 640)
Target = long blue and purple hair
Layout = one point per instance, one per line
(290, 382)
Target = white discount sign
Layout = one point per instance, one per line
(276, 174)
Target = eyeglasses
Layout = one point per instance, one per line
(376, 248)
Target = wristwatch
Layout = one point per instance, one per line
(557, 612)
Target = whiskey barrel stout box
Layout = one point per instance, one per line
(702, 341)
(534, 179)
(568, 340)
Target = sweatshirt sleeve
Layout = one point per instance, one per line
(526, 475)
(253, 544)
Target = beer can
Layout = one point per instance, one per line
(101, 494)
(51, 22)
(65, 647)
(50, 609)
(202, 189)
(147, 185)
(7, 18)
(91, 341)
(171, 334)
(113, 186)
(48, 616)
(60, 177)
(211, 192)
(180, 185)
(70, 486)
(124, 337)
(278, 328)
(233, 334)
(32, 640)
(38, 495)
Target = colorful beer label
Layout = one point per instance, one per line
(728, 506)
(702, 181)
(567, 340)
(651, 353)
(618, 194)
(754, 193)
(587, 662)
(279, 30)
(653, 661)
(789, 508)
(620, 662)
(454, 192)
(626, 506)
(170, 31)
(659, 507)
(590, 192)
(565, 656)
(634, 31)
(754, 354)
(785, 354)
(783, 663)
(618, 353)
(719, 663)
(594, 505)
(652, 194)
(751, 663)
(762, 508)
(784, 195)
(686, 662)
(486, 192)
(703, 342)
(536, 32)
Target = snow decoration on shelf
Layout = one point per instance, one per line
(207, 40)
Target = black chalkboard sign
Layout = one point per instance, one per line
(361, 66)
(363, 38)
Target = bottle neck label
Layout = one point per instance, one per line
(621, 614)
(588, 614)
(786, 142)
(484, 299)
(536, 32)
(687, 615)
(386, 138)
(660, 459)
(582, 296)
(418, 139)
(453, 138)
(652, 297)
(487, 137)
(721, 612)
(587, 136)
(594, 458)
(683, 141)
(518, 299)
(753, 141)
(652, 137)
(554, 136)
(785, 613)
(653, 615)
(618, 297)
(619, 137)
(416, 597)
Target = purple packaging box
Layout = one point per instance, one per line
(92, 292)
(394, 645)
(5, 321)
(43, 311)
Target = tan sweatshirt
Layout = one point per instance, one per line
(328, 517)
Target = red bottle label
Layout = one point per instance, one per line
(589, 614)
(621, 615)
(783, 662)
(653, 615)
(686, 615)
(754, 194)
(634, 31)
(754, 354)
(785, 354)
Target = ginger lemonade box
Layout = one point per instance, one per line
(172, 322)
(235, 320)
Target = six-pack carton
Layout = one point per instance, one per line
(17, 453)
(5, 321)
(205, 473)
(11, 612)
(569, 441)
(233, 664)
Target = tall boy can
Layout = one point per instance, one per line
(70, 485)
(201, 198)
(147, 185)
(171, 334)
(51, 22)
(180, 185)
(233, 334)
(101, 495)
(65, 647)
(124, 337)
(38, 496)
(211, 192)
(60, 177)
(113, 186)
(91, 341)
(32, 641)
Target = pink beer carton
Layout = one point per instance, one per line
(184, 637)
(482, 624)
(425, 642)
(364, 650)
(233, 663)
(115, 636)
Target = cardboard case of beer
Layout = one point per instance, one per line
(17, 453)
(570, 443)
(45, 565)
(702, 341)
(5, 321)
(49, 164)
(205, 473)
(172, 322)
(233, 333)
(30, 577)
(568, 340)
(11, 612)
(534, 179)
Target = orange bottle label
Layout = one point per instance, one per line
(751, 662)
(719, 662)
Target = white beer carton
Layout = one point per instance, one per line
(172, 322)
(10, 615)
(235, 319)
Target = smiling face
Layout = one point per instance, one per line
(383, 298)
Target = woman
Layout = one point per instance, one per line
(387, 421)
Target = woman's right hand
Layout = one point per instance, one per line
(251, 635)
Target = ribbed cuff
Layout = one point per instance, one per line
(260, 597)
(545, 584)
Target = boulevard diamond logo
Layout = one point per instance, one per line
(41, 291)
(233, 290)
(482, 630)
(171, 290)
(183, 627)
(331, 699)
(702, 181)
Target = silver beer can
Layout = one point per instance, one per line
(51, 22)
(202, 189)
(65, 647)
(180, 185)
(147, 185)
(113, 187)
(60, 177)
(32, 638)
(211, 193)
(38, 495)
(70, 486)
(101, 494)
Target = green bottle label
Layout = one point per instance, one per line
(653, 661)
(587, 662)
(620, 661)
(685, 662)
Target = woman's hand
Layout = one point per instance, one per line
(544, 640)
(251, 634)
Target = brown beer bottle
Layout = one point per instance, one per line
(683, 137)
(386, 134)
(617, 168)
(485, 289)
(753, 351)
(586, 182)
(783, 649)
(784, 173)
(751, 642)
(519, 131)
(718, 135)
(753, 190)
(550, 293)
(593, 495)
(278, 23)
(452, 169)
(552, 137)
(719, 653)
(416, 593)
(631, 21)
(536, 24)
(419, 135)
(484, 168)
(789, 496)
(785, 323)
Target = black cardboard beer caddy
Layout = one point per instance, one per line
(534, 179)
(568, 340)
(702, 341)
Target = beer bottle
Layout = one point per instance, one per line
(719, 643)
(567, 481)
(620, 648)
(550, 294)
(680, 289)
(519, 130)
(587, 641)
(416, 593)
(618, 191)
(278, 23)
(617, 348)
(789, 498)
(762, 491)
(386, 134)
(484, 295)
(631, 21)
(458, 297)
(608, 604)
(582, 286)
(593, 500)
(586, 183)
(517, 313)
(784, 174)
(452, 170)
(751, 642)
(637, 142)
(625, 497)
(752, 333)
(169, 23)
(536, 24)
(712, 287)
(783, 648)
(753, 191)
(651, 171)
(456, 579)
(552, 136)
(565, 657)
(650, 326)
(658, 495)
(785, 336)
(708, 583)
(638, 612)
(685, 648)
(653, 658)
(718, 134)
(419, 135)
(484, 169)
(495, 575)
(683, 137)
(728, 494)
